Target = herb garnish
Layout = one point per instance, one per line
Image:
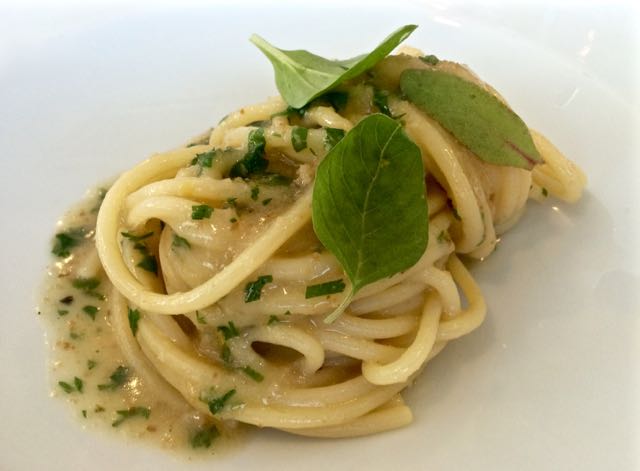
(253, 289)
(381, 100)
(323, 289)
(91, 364)
(205, 159)
(180, 242)
(149, 263)
(91, 311)
(302, 76)
(87, 286)
(229, 331)
(204, 437)
(374, 227)
(481, 122)
(65, 241)
(430, 59)
(201, 211)
(217, 404)
(273, 319)
(253, 374)
(136, 238)
(332, 137)
(299, 138)
(63, 312)
(135, 411)
(255, 191)
(78, 385)
(200, 318)
(117, 379)
(134, 318)
(253, 161)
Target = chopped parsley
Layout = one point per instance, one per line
(253, 374)
(66, 387)
(63, 312)
(226, 353)
(136, 238)
(430, 59)
(229, 331)
(200, 318)
(180, 242)
(78, 385)
(332, 137)
(87, 286)
(117, 379)
(253, 161)
(217, 404)
(330, 287)
(91, 364)
(253, 289)
(134, 317)
(201, 211)
(84, 413)
(273, 319)
(204, 437)
(255, 191)
(266, 201)
(381, 100)
(205, 159)
(65, 241)
(232, 220)
(135, 411)
(299, 138)
(67, 300)
(545, 192)
(90, 311)
(232, 202)
(149, 263)
(338, 100)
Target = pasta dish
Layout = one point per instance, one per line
(299, 264)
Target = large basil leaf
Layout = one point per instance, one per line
(302, 76)
(480, 121)
(369, 203)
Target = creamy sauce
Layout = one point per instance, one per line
(87, 367)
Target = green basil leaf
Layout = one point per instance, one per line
(475, 117)
(374, 226)
(302, 76)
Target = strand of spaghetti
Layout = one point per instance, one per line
(414, 356)
(191, 375)
(376, 328)
(207, 189)
(565, 180)
(469, 319)
(209, 292)
(244, 116)
(134, 356)
(294, 338)
(377, 421)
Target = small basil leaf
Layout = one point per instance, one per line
(302, 76)
(475, 117)
(374, 226)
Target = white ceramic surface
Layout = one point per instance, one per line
(550, 381)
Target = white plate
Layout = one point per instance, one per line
(550, 381)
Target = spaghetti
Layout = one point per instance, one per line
(210, 274)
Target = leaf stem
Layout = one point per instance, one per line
(330, 319)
